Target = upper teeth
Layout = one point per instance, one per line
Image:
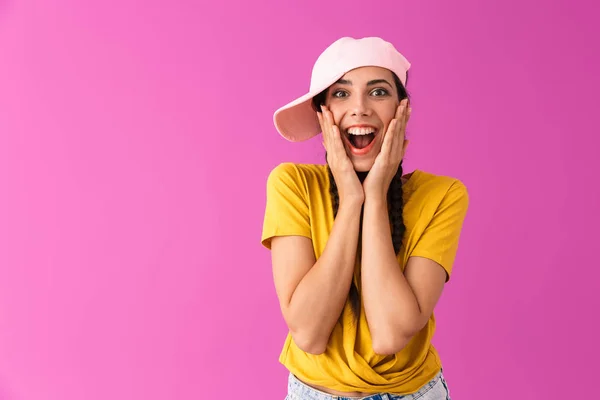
(360, 131)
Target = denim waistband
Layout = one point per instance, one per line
(298, 390)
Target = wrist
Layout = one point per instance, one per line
(351, 203)
(376, 198)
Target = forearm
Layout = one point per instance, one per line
(391, 308)
(320, 296)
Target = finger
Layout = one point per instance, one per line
(334, 133)
(400, 113)
(328, 116)
(325, 129)
(330, 132)
(401, 132)
(337, 140)
(328, 120)
(399, 117)
(340, 142)
(320, 118)
(404, 119)
(321, 123)
(388, 139)
(399, 110)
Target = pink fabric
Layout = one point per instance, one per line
(297, 121)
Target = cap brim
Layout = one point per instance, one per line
(297, 121)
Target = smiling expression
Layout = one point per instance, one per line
(363, 102)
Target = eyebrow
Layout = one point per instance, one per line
(370, 83)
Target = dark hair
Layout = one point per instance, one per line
(394, 196)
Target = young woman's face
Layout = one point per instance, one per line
(363, 102)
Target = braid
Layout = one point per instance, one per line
(333, 191)
(396, 203)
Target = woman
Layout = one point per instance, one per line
(360, 251)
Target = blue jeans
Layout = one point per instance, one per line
(435, 389)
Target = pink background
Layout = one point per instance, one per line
(135, 140)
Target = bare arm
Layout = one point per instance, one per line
(397, 304)
(312, 293)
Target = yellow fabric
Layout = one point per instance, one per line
(298, 203)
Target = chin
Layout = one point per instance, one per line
(362, 165)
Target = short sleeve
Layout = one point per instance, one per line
(439, 241)
(286, 210)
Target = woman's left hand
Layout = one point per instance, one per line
(387, 161)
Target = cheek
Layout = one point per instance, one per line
(337, 111)
(386, 127)
(390, 115)
(337, 115)
(386, 114)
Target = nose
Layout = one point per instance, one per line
(359, 107)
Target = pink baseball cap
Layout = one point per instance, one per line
(297, 120)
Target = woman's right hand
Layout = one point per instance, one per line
(346, 179)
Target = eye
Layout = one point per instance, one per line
(380, 92)
(339, 93)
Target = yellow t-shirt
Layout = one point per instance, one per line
(299, 203)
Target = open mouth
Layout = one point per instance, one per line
(360, 139)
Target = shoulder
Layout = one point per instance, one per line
(431, 180)
(297, 174)
(429, 187)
